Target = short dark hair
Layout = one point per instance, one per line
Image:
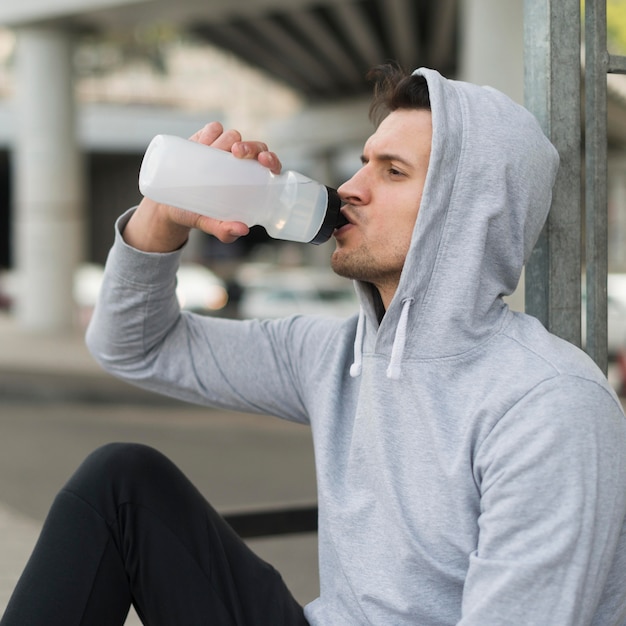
(395, 88)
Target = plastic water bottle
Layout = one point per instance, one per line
(205, 180)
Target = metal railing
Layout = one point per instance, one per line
(277, 521)
(552, 52)
(598, 63)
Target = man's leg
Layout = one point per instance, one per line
(129, 527)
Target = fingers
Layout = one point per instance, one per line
(226, 232)
(226, 140)
(213, 134)
(259, 151)
(208, 134)
(271, 161)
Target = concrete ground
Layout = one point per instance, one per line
(56, 405)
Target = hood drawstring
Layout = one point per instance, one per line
(357, 366)
(397, 351)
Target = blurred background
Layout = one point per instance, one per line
(84, 86)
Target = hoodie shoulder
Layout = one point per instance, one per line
(554, 356)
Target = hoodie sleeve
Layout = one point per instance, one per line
(552, 478)
(139, 334)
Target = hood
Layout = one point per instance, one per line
(486, 197)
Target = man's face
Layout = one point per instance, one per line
(382, 200)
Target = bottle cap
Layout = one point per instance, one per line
(332, 219)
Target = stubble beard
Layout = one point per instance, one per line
(353, 265)
(361, 265)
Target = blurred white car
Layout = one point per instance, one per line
(273, 293)
(616, 313)
(198, 288)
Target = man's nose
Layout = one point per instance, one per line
(353, 190)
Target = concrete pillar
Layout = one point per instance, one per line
(48, 181)
(491, 50)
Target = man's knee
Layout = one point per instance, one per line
(115, 467)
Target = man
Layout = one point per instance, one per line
(470, 465)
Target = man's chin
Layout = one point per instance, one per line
(341, 266)
(335, 262)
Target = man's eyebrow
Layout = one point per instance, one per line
(387, 157)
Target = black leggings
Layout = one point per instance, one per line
(129, 527)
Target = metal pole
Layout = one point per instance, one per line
(596, 253)
(552, 93)
(616, 64)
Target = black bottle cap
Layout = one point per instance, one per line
(333, 218)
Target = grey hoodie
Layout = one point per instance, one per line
(471, 467)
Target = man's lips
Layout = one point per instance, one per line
(342, 227)
(344, 220)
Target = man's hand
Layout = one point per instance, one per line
(158, 227)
